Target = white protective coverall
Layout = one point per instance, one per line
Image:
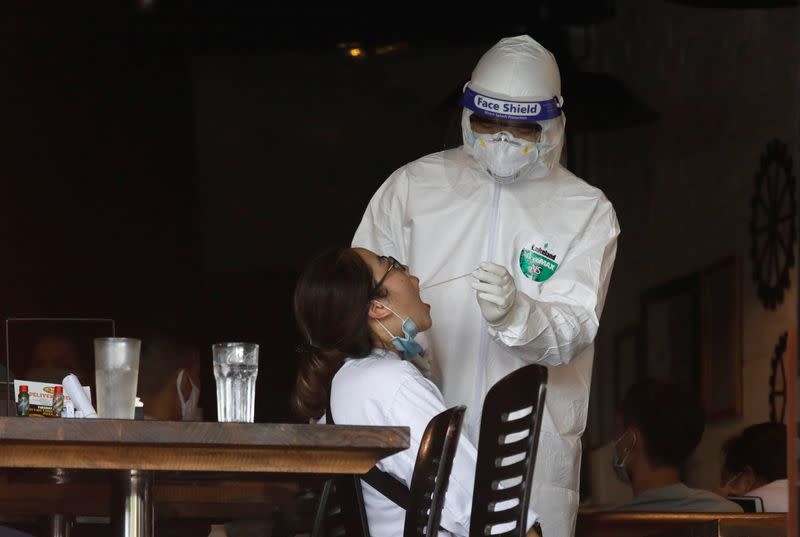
(443, 214)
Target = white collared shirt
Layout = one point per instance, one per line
(775, 496)
(382, 389)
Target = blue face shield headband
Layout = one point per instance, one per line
(514, 110)
(406, 344)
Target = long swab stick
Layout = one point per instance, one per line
(446, 281)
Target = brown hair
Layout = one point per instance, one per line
(331, 305)
(670, 417)
(762, 447)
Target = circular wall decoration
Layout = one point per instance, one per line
(772, 224)
(777, 382)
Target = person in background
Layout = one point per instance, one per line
(169, 380)
(539, 243)
(657, 427)
(52, 358)
(755, 465)
(359, 314)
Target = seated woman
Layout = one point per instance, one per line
(359, 313)
(755, 465)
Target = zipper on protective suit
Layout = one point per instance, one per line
(480, 368)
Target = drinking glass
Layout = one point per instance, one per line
(235, 372)
(116, 363)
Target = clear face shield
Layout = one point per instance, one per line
(510, 140)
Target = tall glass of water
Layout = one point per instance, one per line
(116, 364)
(235, 370)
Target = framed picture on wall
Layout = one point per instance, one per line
(671, 315)
(722, 339)
(691, 333)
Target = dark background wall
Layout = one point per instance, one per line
(726, 85)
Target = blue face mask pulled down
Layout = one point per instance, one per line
(406, 344)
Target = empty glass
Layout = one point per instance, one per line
(116, 363)
(235, 370)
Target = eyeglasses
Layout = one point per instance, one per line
(394, 264)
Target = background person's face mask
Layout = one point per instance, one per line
(503, 155)
(406, 344)
(188, 405)
(619, 465)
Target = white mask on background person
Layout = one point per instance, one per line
(188, 405)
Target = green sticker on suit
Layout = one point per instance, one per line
(537, 263)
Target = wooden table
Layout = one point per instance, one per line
(642, 524)
(137, 448)
(176, 495)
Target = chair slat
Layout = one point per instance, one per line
(521, 389)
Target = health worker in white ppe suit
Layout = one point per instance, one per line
(543, 242)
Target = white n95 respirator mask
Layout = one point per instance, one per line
(502, 155)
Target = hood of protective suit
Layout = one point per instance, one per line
(521, 72)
